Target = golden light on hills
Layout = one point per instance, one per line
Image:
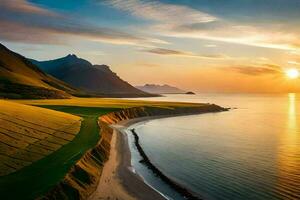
(29, 133)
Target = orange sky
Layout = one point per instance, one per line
(202, 46)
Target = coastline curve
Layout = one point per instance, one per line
(91, 165)
(186, 194)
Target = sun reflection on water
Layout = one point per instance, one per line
(289, 153)
(292, 113)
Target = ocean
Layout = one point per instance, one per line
(250, 152)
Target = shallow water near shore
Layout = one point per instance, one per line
(252, 152)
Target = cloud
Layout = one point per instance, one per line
(181, 21)
(272, 66)
(293, 62)
(171, 52)
(254, 70)
(297, 53)
(162, 51)
(24, 7)
(267, 36)
(211, 45)
(22, 33)
(157, 11)
(25, 22)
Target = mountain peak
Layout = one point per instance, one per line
(72, 59)
(71, 56)
(21, 78)
(93, 79)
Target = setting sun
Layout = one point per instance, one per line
(292, 73)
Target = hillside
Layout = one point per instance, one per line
(160, 89)
(72, 171)
(19, 78)
(95, 79)
(29, 133)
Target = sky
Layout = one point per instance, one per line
(198, 45)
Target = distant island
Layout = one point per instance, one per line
(160, 89)
(192, 93)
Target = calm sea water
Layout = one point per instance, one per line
(252, 152)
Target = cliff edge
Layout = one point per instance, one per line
(82, 179)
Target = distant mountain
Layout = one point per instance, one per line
(19, 78)
(160, 89)
(94, 79)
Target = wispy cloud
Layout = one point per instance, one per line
(26, 22)
(171, 52)
(24, 7)
(272, 66)
(297, 53)
(181, 21)
(267, 36)
(210, 45)
(162, 51)
(157, 11)
(293, 62)
(254, 70)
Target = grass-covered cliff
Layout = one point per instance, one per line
(81, 180)
(71, 171)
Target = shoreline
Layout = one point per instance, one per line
(184, 192)
(119, 181)
(107, 166)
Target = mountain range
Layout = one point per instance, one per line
(94, 79)
(160, 89)
(23, 78)
(19, 78)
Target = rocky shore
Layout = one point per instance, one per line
(177, 187)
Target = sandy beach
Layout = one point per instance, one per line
(118, 181)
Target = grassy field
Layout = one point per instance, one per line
(40, 176)
(28, 134)
(107, 103)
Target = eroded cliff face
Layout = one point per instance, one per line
(82, 179)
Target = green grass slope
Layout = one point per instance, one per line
(37, 178)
